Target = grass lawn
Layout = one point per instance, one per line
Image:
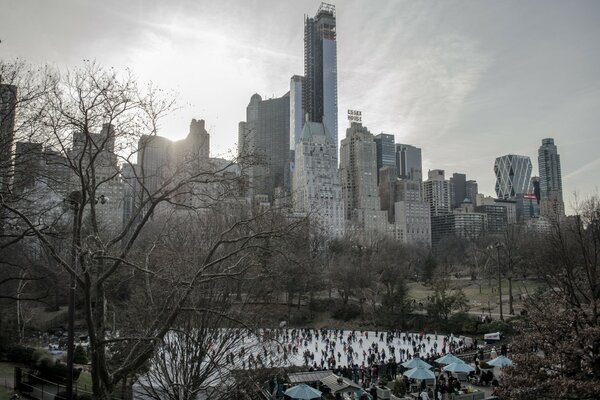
(479, 292)
(85, 381)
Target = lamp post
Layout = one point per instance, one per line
(498, 246)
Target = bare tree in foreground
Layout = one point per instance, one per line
(89, 122)
(557, 355)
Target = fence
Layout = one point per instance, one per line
(35, 387)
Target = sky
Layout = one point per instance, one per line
(467, 81)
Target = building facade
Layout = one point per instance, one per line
(513, 175)
(436, 192)
(358, 169)
(385, 148)
(458, 189)
(472, 189)
(408, 162)
(265, 138)
(317, 188)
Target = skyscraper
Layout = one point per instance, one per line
(471, 188)
(513, 174)
(458, 189)
(266, 135)
(550, 180)
(385, 148)
(436, 191)
(408, 162)
(359, 183)
(319, 87)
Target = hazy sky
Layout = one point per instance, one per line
(466, 81)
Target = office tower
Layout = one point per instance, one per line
(265, 136)
(471, 188)
(385, 148)
(408, 162)
(8, 103)
(458, 189)
(436, 191)
(551, 205)
(513, 174)
(316, 185)
(319, 87)
(358, 165)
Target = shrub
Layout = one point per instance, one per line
(80, 355)
(399, 388)
(20, 354)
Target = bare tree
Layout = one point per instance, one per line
(95, 125)
(558, 351)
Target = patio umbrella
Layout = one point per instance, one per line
(303, 392)
(448, 359)
(416, 363)
(460, 367)
(419, 373)
(501, 361)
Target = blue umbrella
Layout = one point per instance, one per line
(448, 359)
(459, 367)
(416, 363)
(501, 361)
(419, 373)
(303, 392)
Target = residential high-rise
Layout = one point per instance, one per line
(316, 185)
(8, 102)
(358, 165)
(408, 162)
(436, 191)
(513, 174)
(319, 87)
(266, 136)
(552, 205)
(458, 189)
(385, 147)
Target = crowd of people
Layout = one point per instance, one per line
(357, 353)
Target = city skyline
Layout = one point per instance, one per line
(464, 81)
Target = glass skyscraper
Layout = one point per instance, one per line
(319, 87)
(386, 152)
(408, 162)
(513, 175)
